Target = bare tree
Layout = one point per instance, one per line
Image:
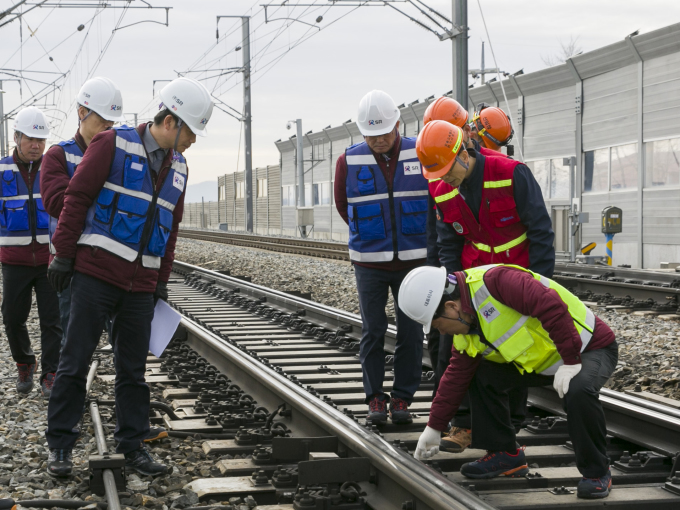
(567, 50)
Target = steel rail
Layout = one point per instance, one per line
(427, 485)
(632, 418)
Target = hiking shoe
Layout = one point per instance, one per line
(377, 410)
(595, 488)
(59, 462)
(495, 464)
(25, 378)
(46, 384)
(399, 412)
(141, 461)
(456, 441)
(156, 433)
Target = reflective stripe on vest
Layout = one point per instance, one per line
(502, 247)
(501, 324)
(446, 196)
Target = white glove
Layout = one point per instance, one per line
(428, 444)
(563, 375)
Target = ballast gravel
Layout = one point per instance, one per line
(649, 361)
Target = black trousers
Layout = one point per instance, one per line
(491, 426)
(93, 301)
(439, 347)
(18, 283)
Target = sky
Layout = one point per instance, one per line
(299, 71)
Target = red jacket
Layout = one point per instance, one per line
(387, 167)
(34, 254)
(499, 221)
(524, 293)
(81, 192)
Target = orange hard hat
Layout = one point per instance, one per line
(438, 146)
(493, 126)
(446, 109)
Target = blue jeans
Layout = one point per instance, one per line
(373, 286)
(93, 301)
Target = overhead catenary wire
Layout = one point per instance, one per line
(500, 80)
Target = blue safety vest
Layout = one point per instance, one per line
(73, 156)
(383, 222)
(22, 215)
(130, 218)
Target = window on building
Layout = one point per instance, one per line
(596, 170)
(322, 193)
(662, 163)
(559, 179)
(541, 171)
(288, 196)
(240, 189)
(624, 166)
(222, 193)
(261, 188)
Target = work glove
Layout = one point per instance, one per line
(59, 273)
(428, 444)
(161, 292)
(563, 375)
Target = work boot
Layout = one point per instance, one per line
(156, 433)
(377, 410)
(595, 488)
(493, 464)
(59, 462)
(46, 385)
(25, 378)
(399, 412)
(141, 461)
(456, 441)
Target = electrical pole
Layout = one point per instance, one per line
(135, 121)
(247, 123)
(460, 53)
(483, 68)
(300, 165)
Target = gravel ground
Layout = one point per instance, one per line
(649, 358)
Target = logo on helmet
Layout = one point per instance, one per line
(374, 122)
(85, 103)
(37, 127)
(203, 121)
(86, 94)
(427, 299)
(116, 108)
(173, 107)
(178, 100)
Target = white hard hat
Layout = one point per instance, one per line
(32, 122)
(102, 97)
(378, 114)
(421, 292)
(190, 101)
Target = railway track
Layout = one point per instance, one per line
(247, 350)
(634, 289)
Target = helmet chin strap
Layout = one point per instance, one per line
(459, 319)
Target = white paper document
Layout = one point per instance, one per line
(163, 326)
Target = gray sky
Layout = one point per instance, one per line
(319, 80)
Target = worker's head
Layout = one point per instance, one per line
(378, 121)
(432, 298)
(30, 134)
(185, 112)
(491, 127)
(441, 150)
(100, 105)
(449, 110)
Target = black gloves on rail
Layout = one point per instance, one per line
(161, 292)
(60, 272)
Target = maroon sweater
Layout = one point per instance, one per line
(387, 167)
(33, 254)
(521, 291)
(80, 194)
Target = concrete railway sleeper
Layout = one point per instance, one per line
(244, 351)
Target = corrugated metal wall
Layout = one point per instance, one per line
(590, 102)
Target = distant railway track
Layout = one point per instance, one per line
(276, 348)
(630, 288)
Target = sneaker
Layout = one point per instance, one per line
(46, 385)
(141, 461)
(25, 378)
(377, 410)
(495, 464)
(156, 433)
(399, 412)
(59, 462)
(456, 441)
(595, 488)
